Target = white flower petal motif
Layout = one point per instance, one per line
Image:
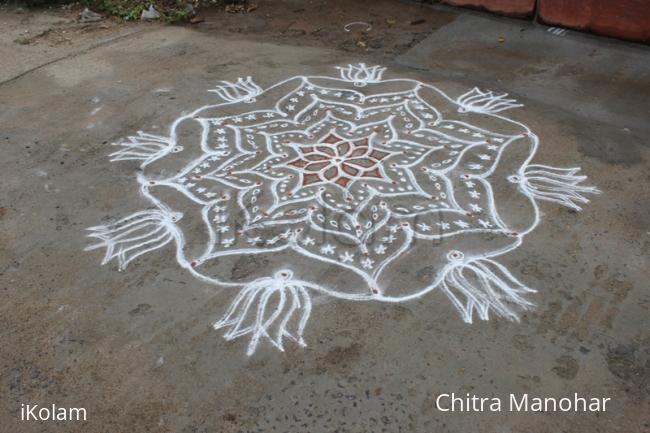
(137, 234)
(559, 185)
(144, 147)
(488, 102)
(244, 90)
(360, 74)
(481, 285)
(271, 308)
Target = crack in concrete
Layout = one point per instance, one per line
(75, 54)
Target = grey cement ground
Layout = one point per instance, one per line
(136, 349)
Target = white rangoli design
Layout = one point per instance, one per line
(356, 187)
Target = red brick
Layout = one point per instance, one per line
(519, 8)
(625, 19)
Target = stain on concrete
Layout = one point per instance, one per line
(566, 367)
(340, 357)
(247, 265)
(425, 274)
(612, 150)
(140, 310)
(522, 342)
(624, 361)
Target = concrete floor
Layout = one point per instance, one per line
(136, 348)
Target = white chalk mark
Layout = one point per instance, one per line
(478, 101)
(559, 185)
(557, 31)
(137, 234)
(243, 90)
(360, 74)
(270, 308)
(348, 26)
(491, 287)
(145, 147)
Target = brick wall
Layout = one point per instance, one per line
(518, 8)
(624, 19)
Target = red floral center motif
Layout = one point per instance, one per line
(336, 160)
